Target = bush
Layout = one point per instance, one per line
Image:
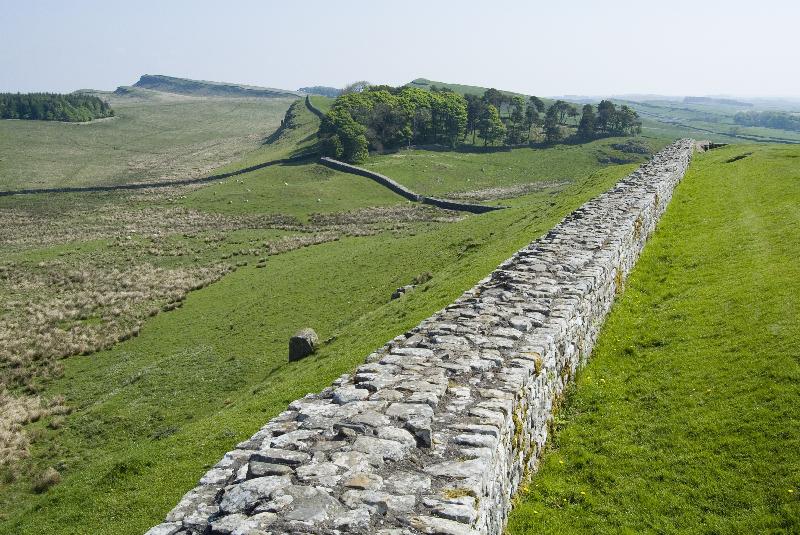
(46, 480)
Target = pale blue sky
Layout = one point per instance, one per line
(546, 48)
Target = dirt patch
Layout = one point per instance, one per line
(506, 192)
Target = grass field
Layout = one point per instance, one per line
(686, 419)
(154, 136)
(704, 121)
(150, 414)
(450, 174)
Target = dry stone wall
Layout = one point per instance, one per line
(436, 431)
(404, 191)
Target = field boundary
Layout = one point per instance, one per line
(437, 431)
(158, 184)
(403, 191)
(313, 109)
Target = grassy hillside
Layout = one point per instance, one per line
(150, 414)
(459, 174)
(686, 418)
(710, 120)
(154, 136)
(185, 86)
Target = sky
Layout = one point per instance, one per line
(565, 47)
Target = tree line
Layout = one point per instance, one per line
(769, 119)
(53, 107)
(377, 117)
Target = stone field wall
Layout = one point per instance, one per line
(436, 431)
(404, 191)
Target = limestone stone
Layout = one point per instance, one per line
(311, 505)
(280, 456)
(245, 496)
(388, 449)
(440, 526)
(302, 344)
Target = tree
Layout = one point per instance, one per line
(532, 117)
(343, 137)
(586, 128)
(490, 127)
(356, 87)
(552, 127)
(605, 115)
(516, 129)
(475, 107)
(573, 113)
(495, 98)
(537, 104)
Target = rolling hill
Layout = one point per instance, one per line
(185, 86)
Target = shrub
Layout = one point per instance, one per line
(46, 480)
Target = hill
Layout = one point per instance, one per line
(154, 135)
(185, 86)
(424, 83)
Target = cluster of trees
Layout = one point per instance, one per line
(769, 119)
(367, 117)
(380, 117)
(53, 107)
(607, 120)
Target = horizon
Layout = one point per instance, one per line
(574, 49)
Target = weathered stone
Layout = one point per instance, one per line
(203, 495)
(260, 469)
(388, 449)
(370, 419)
(312, 471)
(379, 502)
(463, 509)
(398, 435)
(439, 526)
(407, 411)
(347, 394)
(364, 481)
(279, 456)
(245, 496)
(357, 519)
(302, 344)
(421, 429)
(458, 469)
(311, 505)
(408, 483)
(167, 528)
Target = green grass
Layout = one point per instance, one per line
(153, 413)
(154, 135)
(297, 190)
(714, 122)
(686, 419)
(441, 172)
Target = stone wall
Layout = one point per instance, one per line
(404, 191)
(313, 109)
(436, 431)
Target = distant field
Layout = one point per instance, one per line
(686, 418)
(704, 121)
(154, 136)
(449, 174)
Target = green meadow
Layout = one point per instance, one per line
(686, 420)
